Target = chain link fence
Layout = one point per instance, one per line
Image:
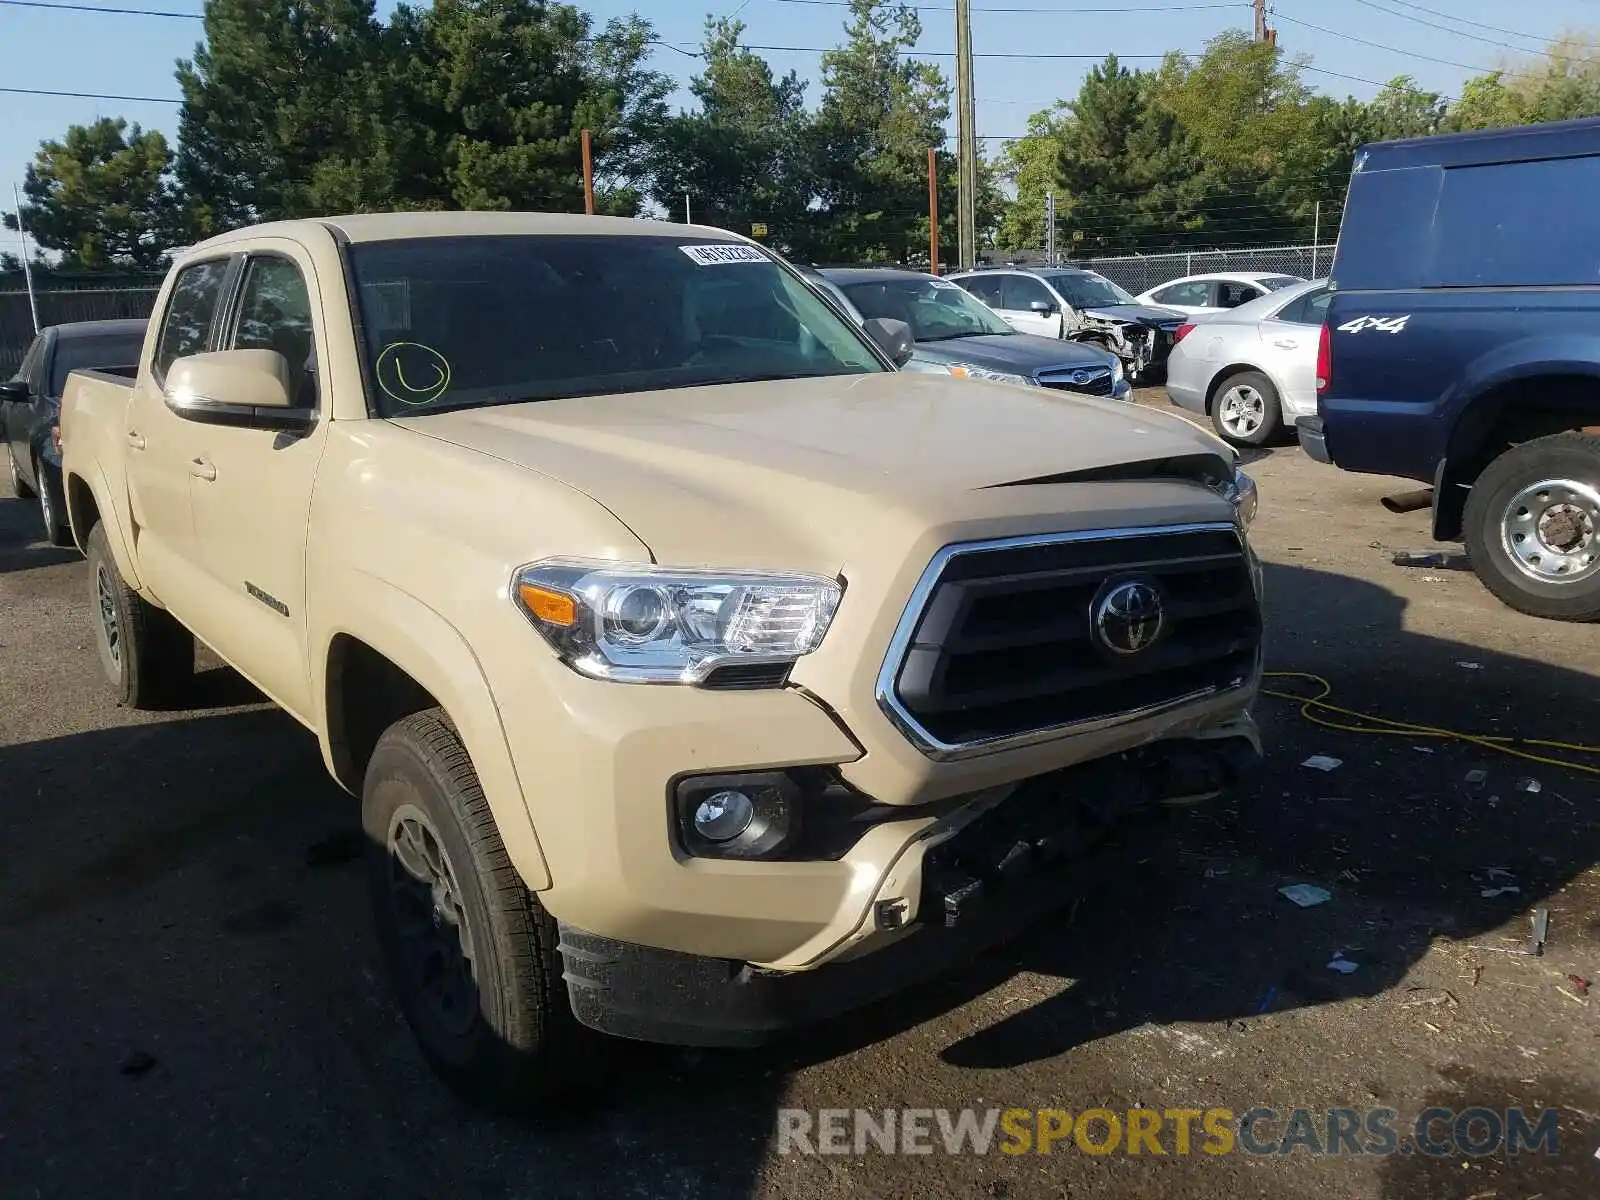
(1141, 272)
(63, 299)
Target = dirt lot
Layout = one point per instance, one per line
(173, 889)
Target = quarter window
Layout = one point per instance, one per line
(187, 327)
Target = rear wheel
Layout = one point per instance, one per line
(19, 487)
(146, 655)
(471, 952)
(1245, 410)
(1533, 527)
(52, 506)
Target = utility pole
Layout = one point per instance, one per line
(1263, 34)
(967, 142)
(933, 212)
(1050, 228)
(687, 220)
(1316, 237)
(27, 265)
(588, 176)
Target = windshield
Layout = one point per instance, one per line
(1088, 290)
(95, 351)
(935, 309)
(466, 321)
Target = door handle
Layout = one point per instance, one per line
(135, 439)
(1287, 344)
(201, 469)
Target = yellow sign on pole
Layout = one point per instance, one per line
(758, 229)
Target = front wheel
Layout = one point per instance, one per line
(471, 952)
(145, 653)
(1533, 527)
(1245, 410)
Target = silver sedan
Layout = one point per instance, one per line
(1252, 369)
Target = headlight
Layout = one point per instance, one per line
(1241, 492)
(648, 624)
(965, 371)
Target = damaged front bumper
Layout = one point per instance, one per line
(987, 872)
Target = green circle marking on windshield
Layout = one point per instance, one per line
(411, 373)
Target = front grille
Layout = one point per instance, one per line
(1006, 643)
(1089, 383)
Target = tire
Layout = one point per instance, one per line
(1245, 410)
(1532, 527)
(146, 655)
(52, 506)
(470, 951)
(19, 489)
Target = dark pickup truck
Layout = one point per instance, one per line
(1462, 349)
(30, 407)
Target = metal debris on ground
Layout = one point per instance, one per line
(1530, 785)
(1470, 666)
(1541, 931)
(1323, 762)
(1435, 995)
(1579, 982)
(1476, 778)
(1419, 558)
(1342, 964)
(1306, 895)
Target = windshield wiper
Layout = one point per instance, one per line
(950, 337)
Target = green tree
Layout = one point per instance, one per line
(1403, 110)
(1487, 103)
(103, 196)
(881, 111)
(1032, 166)
(741, 157)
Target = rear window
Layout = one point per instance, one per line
(1507, 225)
(1519, 224)
(98, 350)
(1276, 283)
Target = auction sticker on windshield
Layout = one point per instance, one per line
(721, 253)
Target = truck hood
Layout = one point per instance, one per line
(1023, 353)
(1136, 314)
(803, 474)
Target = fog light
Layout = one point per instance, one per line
(723, 816)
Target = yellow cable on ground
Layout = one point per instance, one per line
(1385, 725)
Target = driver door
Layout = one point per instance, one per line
(1028, 306)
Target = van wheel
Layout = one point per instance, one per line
(146, 655)
(52, 506)
(19, 488)
(1245, 410)
(1533, 527)
(469, 949)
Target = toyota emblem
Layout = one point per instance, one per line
(1129, 617)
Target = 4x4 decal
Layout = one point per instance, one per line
(1382, 324)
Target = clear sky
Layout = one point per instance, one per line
(1374, 40)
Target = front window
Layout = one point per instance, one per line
(1088, 290)
(936, 309)
(466, 321)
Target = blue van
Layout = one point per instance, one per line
(1461, 349)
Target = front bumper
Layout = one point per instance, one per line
(980, 880)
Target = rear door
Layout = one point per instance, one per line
(1289, 339)
(161, 446)
(1231, 293)
(1019, 296)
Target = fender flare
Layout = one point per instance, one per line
(99, 487)
(429, 648)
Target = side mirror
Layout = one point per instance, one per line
(1043, 307)
(893, 338)
(250, 388)
(14, 391)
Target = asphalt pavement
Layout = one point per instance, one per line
(192, 1004)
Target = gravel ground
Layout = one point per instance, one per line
(192, 1002)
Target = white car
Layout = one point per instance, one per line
(1218, 292)
(1252, 369)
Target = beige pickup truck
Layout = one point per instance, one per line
(700, 674)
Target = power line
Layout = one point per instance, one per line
(1350, 37)
(90, 95)
(95, 8)
(1476, 37)
(1532, 37)
(1038, 12)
